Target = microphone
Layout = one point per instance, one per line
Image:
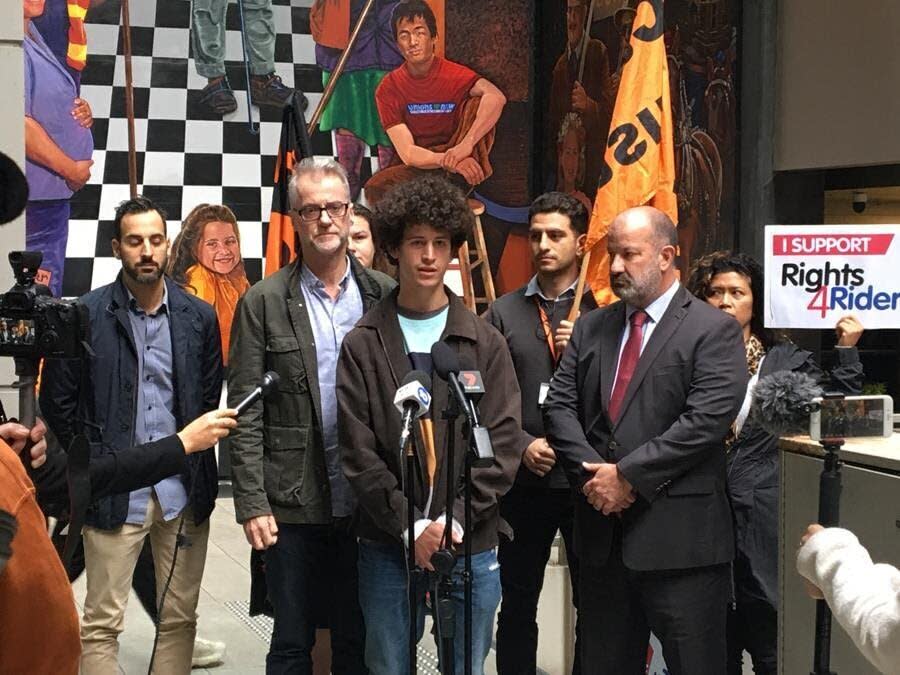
(470, 379)
(447, 365)
(269, 380)
(782, 402)
(412, 400)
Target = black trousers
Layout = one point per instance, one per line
(686, 609)
(313, 566)
(535, 514)
(753, 625)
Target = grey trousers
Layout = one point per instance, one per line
(208, 36)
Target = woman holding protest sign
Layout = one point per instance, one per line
(733, 282)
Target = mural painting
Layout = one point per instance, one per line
(701, 40)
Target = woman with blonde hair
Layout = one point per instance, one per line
(206, 260)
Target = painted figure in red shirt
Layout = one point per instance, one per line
(439, 115)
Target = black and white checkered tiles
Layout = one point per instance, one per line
(186, 155)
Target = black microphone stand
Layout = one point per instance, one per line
(467, 544)
(478, 454)
(444, 559)
(412, 594)
(829, 516)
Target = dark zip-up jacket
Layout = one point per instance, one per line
(372, 365)
(753, 472)
(106, 410)
(277, 451)
(516, 316)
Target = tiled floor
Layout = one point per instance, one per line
(224, 594)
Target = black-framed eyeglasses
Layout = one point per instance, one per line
(311, 212)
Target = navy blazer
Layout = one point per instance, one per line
(101, 399)
(669, 440)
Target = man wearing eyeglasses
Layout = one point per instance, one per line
(290, 494)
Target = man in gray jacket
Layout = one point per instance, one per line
(290, 494)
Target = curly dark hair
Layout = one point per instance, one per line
(428, 200)
(184, 250)
(413, 9)
(567, 205)
(722, 262)
(138, 204)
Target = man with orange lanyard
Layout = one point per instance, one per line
(533, 321)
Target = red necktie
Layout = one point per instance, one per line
(630, 355)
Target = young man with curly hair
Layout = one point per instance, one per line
(420, 225)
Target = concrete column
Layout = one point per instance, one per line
(12, 143)
(758, 58)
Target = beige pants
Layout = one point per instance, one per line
(110, 557)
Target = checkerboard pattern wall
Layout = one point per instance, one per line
(185, 154)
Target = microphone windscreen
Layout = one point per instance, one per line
(444, 359)
(269, 382)
(782, 402)
(419, 376)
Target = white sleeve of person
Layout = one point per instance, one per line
(420, 525)
(864, 597)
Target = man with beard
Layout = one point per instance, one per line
(637, 413)
(290, 494)
(540, 503)
(157, 366)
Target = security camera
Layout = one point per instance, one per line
(860, 198)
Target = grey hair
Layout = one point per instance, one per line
(312, 167)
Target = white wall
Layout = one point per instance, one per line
(12, 143)
(838, 83)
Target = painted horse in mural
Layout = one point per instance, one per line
(698, 173)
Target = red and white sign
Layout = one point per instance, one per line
(815, 274)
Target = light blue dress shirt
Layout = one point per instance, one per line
(154, 409)
(331, 319)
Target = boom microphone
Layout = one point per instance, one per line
(783, 401)
(270, 379)
(413, 400)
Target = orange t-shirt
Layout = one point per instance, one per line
(38, 620)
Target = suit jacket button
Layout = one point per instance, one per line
(123, 427)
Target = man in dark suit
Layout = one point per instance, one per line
(637, 412)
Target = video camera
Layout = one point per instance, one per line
(34, 324)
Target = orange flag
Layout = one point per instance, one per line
(281, 244)
(639, 160)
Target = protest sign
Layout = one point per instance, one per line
(815, 274)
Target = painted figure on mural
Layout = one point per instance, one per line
(62, 25)
(571, 159)
(351, 111)
(206, 261)
(440, 115)
(208, 41)
(58, 142)
(581, 84)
